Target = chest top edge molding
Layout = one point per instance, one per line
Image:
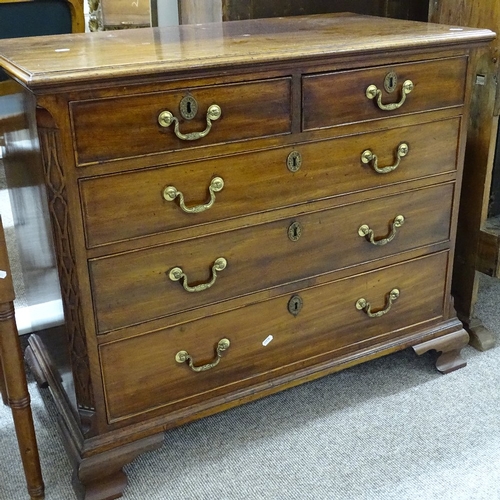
(90, 57)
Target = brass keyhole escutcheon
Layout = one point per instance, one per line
(294, 161)
(390, 82)
(188, 107)
(294, 231)
(295, 305)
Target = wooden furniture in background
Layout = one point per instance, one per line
(239, 208)
(13, 387)
(196, 11)
(115, 14)
(200, 11)
(478, 239)
(119, 14)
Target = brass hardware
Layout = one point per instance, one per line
(372, 91)
(364, 305)
(390, 82)
(367, 156)
(177, 274)
(366, 232)
(188, 107)
(171, 192)
(294, 161)
(295, 305)
(183, 356)
(295, 231)
(166, 118)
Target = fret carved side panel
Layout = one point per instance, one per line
(61, 227)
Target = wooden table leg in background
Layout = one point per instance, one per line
(13, 380)
(3, 387)
(476, 247)
(481, 141)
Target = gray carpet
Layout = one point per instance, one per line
(390, 429)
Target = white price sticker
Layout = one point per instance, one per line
(267, 340)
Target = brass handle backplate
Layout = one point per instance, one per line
(363, 305)
(367, 156)
(373, 92)
(367, 233)
(166, 118)
(177, 274)
(170, 193)
(183, 356)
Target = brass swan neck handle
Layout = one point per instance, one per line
(373, 92)
(367, 156)
(184, 356)
(363, 305)
(368, 233)
(166, 118)
(177, 274)
(170, 193)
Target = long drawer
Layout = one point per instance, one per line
(130, 205)
(129, 126)
(335, 98)
(138, 286)
(147, 372)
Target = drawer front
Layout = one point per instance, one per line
(129, 126)
(337, 98)
(134, 287)
(131, 205)
(266, 340)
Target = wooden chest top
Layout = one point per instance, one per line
(79, 58)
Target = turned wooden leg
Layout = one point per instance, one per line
(100, 477)
(3, 387)
(449, 347)
(14, 386)
(19, 400)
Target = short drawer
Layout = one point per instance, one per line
(138, 286)
(337, 98)
(131, 205)
(147, 373)
(129, 126)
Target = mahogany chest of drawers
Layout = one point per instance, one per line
(238, 208)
